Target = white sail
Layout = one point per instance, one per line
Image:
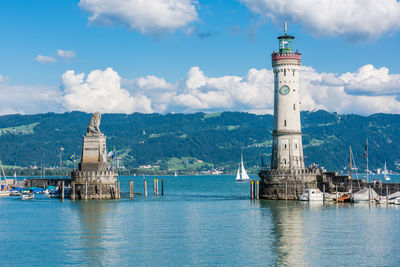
(238, 178)
(387, 178)
(244, 173)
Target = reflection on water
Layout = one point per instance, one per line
(200, 221)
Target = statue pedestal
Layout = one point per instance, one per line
(94, 179)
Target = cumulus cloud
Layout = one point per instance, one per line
(65, 54)
(366, 91)
(28, 99)
(45, 59)
(150, 16)
(252, 92)
(369, 80)
(354, 20)
(101, 91)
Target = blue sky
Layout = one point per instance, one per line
(187, 56)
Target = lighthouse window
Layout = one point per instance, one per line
(294, 106)
(284, 123)
(284, 72)
(293, 72)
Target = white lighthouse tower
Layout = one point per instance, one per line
(287, 176)
(287, 149)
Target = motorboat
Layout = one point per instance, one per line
(27, 195)
(312, 195)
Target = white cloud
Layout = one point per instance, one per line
(28, 99)
(65, 54)
(45, 59)
(101, 91)
(354, 20)
(366, 91)
(149, 16)
(251, 93)
(370, 80)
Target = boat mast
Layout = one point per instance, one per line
(351, 172)
(367, 162)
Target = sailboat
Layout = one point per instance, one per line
(241, 173)
(387, 178)
(4, 190)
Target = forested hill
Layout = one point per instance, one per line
(199, 141)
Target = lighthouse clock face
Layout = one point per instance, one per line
(284, 90)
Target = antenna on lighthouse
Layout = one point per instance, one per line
(285, 27)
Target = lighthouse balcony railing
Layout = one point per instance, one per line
(268, 172)
(288, 55)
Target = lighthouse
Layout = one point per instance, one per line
(287, 149)
(287, 175)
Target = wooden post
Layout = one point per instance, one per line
(369, 193)
(252, 190)
(62, 190)
(145, 188)
(86, 190)
(323, 194)
(119, 190)
(258, 190)
(73, 191)
(387, 195)
(157, 187)
(131, 188)
(162, 186)
(100, 191)
(286, 189)
(154, 186)
(336, 194)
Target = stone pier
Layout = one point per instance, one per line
(94, 178)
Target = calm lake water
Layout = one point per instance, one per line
(201, 220)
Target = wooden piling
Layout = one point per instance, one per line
(131, 189)
(258, 190)
(62, 190)
(86, 189)
(154, 186)
(252, 190)
(119, 190)
(73, 191)
(369, 193)
(323, 193)
(286, 190)
(157, 187)
(387, 194)
(162, 187)
(145, 188)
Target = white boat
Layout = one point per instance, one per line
(27, 195)
(389, 199)
(4, 190)
(312, 195)
(396, 201)
(241, 173)
(387, 178)
(175, 174)
(365, 194)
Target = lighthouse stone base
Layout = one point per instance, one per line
(286, 184)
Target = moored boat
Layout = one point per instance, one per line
(27, 195)
(312, 195)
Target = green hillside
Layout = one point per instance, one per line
(199, 141)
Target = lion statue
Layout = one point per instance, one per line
(94, 124)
